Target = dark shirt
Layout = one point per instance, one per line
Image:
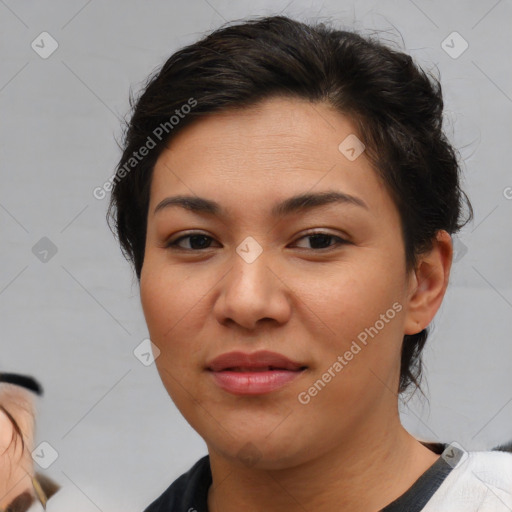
(189, 492)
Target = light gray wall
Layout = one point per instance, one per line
(75, 320)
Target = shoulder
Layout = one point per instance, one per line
(493, 469)
(189, 491)
(479, 481)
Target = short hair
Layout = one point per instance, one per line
(395, 105)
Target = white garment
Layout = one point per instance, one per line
(481, 481)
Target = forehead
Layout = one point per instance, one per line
(273, 128)
(279, 147)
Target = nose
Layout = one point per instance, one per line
(253, 292)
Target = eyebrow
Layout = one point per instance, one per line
(295, 204)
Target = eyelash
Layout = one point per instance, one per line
(174, 244)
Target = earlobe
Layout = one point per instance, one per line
(430, 281)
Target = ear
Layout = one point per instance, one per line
(428, 283)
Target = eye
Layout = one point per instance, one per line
(320, 240)
(198, 241)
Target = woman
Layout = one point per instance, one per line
(21, 487)
(286, 195)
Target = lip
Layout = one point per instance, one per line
(253, 361)
(248, 374)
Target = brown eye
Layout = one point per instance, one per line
(197, 241)
(321, 240)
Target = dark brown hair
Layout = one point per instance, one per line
(396, 106)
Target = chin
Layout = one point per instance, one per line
(254, 449)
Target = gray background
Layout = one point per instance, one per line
(74, 320)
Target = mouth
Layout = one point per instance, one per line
(247, 369)
(254, 381)
(254, 373)
(262, 360)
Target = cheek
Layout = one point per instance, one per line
(352, 296)
(162, 292)
(172, 303)
(171, 306)
(357, 311)
(358, 354)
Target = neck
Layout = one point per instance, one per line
(367, 473)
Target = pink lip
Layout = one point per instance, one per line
(232, 372)
(260, 359)
(254, 383)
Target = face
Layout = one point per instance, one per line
(324, 286)
(16, 465)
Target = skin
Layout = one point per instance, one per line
(16, 467)
(346, 449)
